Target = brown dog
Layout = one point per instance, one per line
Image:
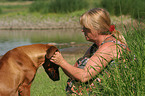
(19, 65)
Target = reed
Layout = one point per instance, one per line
(135, 8)
(58, 6)
(126, 76)
(0, 10)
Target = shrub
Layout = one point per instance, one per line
(127, 74)
(37, 6)
(58, 6)
(0, 10)
(134, 8)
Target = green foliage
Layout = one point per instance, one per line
(58, 6)
(38, 6)
(44, 86)
(135, 8)
(126, 75)
(126, 79)
(0, 10)
(15, 0)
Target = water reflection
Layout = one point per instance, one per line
(10, 39)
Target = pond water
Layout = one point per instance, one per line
(62, 38)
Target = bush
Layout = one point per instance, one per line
(58, 6)
(0, 10)
(37, 6)
(134, 8)
(127, 74)
(15, 0)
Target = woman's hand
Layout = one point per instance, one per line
(57, 58)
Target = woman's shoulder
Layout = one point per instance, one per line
(112, 41)
(112, 48)
(107, 46)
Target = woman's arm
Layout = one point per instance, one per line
(95, 64)
(65, 71)
(76, 64)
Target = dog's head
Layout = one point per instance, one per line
(51, 51)
(51, 68)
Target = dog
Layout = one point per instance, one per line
(18, 68)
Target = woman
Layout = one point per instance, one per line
(97, 28)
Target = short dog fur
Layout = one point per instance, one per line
(18, 68)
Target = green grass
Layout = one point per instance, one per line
(58, 6)
(14, 7)
(115, 7)
(135, 8)
(126, 79)
(44, 86)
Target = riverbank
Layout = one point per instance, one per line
(16, 16)
(41, 22)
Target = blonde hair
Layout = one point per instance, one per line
(99, 19)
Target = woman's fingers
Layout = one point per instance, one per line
(56, 58)
(54, 55)
(52, 59)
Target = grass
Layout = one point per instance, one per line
(16, 15)
(58, 6)
(126, 79)
(51, 88)
(120, 7)
(14, 7)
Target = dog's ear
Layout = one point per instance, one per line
(50, 68)
(51, 51)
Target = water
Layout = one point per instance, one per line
(10, 39)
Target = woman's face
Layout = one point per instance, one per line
(90, 35)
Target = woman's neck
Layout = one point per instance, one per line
(101, 38)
